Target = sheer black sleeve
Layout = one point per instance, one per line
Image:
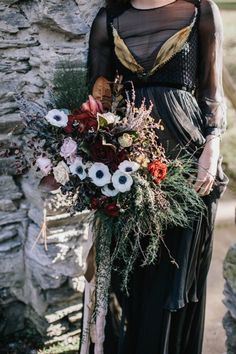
(210, 88)
(100, 59)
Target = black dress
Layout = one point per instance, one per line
(164, 313)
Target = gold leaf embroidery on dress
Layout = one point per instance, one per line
(124, 54)
(172, 46)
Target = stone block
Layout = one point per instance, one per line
(62, 296)
(65, 338)
(59, 259)
(63, 312)
(12, 66)
(11, 124)
(12, 318)
(230, 300)
(14, 18)
(18, 43)
(8, 166)
(13, 56)
(6, 296)
(75, 317)
(8, 28)
(58, 329)
(11, 218)
(36, 215)
(31, 293)
(230, 328)
(64, 219)
(8, 232)
(229, 270)
(38, 321)
(8, 189)
(9, 246)
(12, 269)
(57, 15)
(30, 189)
(7, 108)
(77, 283)
(7, 205)
(45, 278)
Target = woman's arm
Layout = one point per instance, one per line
(100, 58)
(210, 94)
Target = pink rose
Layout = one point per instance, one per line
(68, 150)
(44, 164)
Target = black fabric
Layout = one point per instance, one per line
(186, 60)
(198, 65)
(164, 313)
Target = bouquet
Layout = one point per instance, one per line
(111, 163)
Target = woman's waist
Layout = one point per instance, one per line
(129, 84)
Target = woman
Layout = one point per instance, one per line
(172, 52)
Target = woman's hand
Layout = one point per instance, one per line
(207, 165)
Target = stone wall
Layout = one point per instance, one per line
(42, 285)
(229, 320)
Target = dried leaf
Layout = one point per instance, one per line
(48, 184)
(172, 46)
(124, 55)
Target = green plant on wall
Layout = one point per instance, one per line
(69, 85)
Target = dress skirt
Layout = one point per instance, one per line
(165, 310)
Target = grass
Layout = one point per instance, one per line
(227, 5)
(62, 348)
(228, 148)
(29, 341)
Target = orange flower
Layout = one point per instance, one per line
(158, 170)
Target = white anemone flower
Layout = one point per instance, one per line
(122, 181)
(99, 174)
(128, 166)
(78, 168)
(57, 118)
(109, 190)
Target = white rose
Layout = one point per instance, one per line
(61, 173)
(125, 140)
(44, 164)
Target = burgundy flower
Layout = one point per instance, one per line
(86, 123)
(97, 203)
(85, 117)
(111, 209)
(94, 203)
(121, 156)
(70, 128)
(102, 153)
